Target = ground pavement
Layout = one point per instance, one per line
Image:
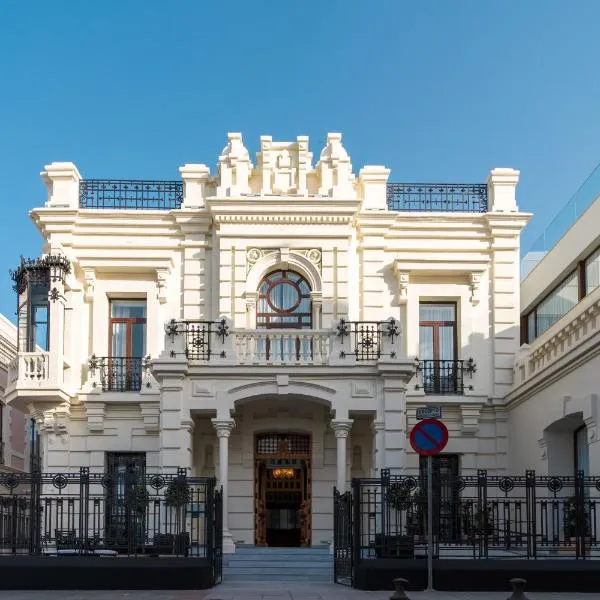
(277, 591)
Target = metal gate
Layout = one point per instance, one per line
(343, 541)
(217, 538)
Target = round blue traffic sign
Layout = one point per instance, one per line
(429, 437)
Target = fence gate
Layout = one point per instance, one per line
(217, 550)
(343, 546)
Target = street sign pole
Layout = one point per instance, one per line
(429, 437)
(429, 523)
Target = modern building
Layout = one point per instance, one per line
(276, 324)
(13, 423)
(554, 404)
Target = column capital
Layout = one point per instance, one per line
(377, 426)
(223, 427)
(341, 427)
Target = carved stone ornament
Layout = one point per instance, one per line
(253, 255)
(474, 285)
(314, 255)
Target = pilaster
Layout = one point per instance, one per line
(395, 375)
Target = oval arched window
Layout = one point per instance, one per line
(284, 301)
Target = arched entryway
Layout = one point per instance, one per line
(282, 489)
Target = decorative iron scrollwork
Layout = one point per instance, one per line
(198, 337)
(130, 194)
(40, 271)
(60, 481)
(443, 197)
(343, 329)
(222, 330)
(172, 328)
(392, 329)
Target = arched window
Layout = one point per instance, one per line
(284, 301)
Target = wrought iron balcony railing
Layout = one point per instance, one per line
(437, 197)
(211, 341)
(198, 336)
(125, 194)
(444, 376)
(365, 337)
(119, 373)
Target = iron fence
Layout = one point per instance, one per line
(110, 514)
(129, 194)
(442, 197)
(479, 517)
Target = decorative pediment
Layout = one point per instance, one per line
(285, 169)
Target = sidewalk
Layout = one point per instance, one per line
(276, 591)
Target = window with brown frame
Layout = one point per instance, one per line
(127, 345)
(438, 343)
(284, 301)
(437, 331)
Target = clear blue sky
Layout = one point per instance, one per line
(436, 90)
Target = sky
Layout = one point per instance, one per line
(436, 90)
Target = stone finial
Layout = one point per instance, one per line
(334, 169)
(62, 180)
(502, 186)
(373, 187)
(234, 169)
(195, 179)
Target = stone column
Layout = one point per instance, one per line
(223, 428)
(378, 428)
(341, 428)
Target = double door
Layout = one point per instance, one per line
(282, 504)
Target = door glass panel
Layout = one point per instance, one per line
(446, 343)
(138, 341)
(426, 342)
(119, 339)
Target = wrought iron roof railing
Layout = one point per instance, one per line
(437, 197)
(130, 194)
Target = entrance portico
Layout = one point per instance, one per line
(278, 461)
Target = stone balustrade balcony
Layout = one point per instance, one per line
(31, 376)
(217, 343)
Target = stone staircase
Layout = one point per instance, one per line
(250, 563)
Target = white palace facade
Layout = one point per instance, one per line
(276, 325)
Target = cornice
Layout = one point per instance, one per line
(285, 219)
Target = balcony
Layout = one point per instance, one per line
(31, 375)
(129, 194)
(437, 197)
(210, 342)
(444, 377)
(119, 373)
(29, 369)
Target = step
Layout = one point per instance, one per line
(249, 563)
(278, 557)
(284, 577)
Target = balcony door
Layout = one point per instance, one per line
(284, 303)
(438, 347)
(127, 345)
